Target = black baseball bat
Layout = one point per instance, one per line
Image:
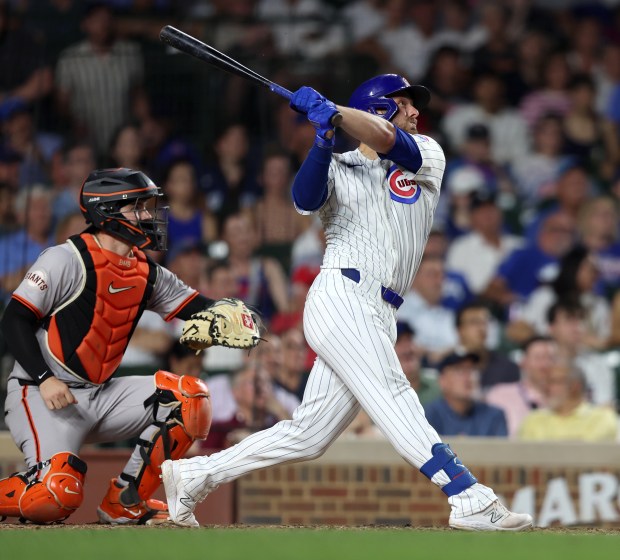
(192, 46)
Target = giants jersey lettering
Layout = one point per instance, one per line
(57, 278)
(89, 334)
(378, 215)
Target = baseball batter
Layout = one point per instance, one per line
(68, 325)
(376, 205)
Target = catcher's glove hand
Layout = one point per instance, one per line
(227, 322)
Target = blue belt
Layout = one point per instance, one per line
(388, 295)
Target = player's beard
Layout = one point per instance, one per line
(405, 124)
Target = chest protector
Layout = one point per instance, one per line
(89, 334)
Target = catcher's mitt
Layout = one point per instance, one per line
(227, 322)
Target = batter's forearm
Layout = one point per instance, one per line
(19, 327)
(310, 184)
(375, 132)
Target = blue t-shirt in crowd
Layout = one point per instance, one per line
(482, 420)
(455, 292)
(64, 204)
(609, 268)
(527, 268)
(189, 231)
(18, 251)
(613, 107)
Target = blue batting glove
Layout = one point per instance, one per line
(320, 117)
(304, 99)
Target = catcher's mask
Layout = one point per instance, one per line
(375, 95)
(106, 191)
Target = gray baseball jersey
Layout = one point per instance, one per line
(112, 411)
(56, 278)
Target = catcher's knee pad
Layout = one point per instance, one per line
(444, 459)
(51, 499)
(189, 396)
(189, 419)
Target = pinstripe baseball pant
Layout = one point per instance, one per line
(353, 331)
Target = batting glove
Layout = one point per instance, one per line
(320, 117)
(305, 99)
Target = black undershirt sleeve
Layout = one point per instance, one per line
(199, 303)
(19, 325)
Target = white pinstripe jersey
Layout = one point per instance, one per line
(378, 215)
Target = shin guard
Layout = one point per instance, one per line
(170, 441)
(444, 459)
(189, 419)
(11, 490)
(54, 498)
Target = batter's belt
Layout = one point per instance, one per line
(386, 293)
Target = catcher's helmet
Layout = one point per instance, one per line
(374, 95)
(106, 191)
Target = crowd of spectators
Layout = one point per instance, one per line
(512, 325)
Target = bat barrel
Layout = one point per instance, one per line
(192, 46)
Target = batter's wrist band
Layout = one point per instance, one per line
(324, 143)
(319, 156)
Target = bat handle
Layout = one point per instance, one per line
(280, 90)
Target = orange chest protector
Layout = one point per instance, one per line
(89, 334)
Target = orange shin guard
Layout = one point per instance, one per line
(11, 490)
(178, 442)
(190, 415)
(54, 498)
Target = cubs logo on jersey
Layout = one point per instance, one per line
(402, 185)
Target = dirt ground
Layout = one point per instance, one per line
(100, 527)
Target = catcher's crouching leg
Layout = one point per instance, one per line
(53, 498)
(189, 419)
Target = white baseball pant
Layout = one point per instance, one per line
(353, 332)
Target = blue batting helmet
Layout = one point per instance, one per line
(374, 95)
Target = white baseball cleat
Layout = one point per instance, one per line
(180, 504)
(494, 518)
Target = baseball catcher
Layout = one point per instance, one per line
(68, 325)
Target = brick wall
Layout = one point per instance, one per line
(365, 482)
(389, 492)
(340, 495)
